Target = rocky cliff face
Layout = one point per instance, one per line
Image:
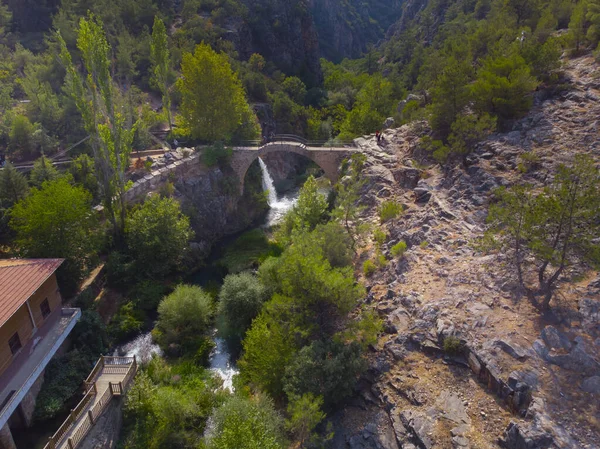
(346, 28)
(209, 196)
(523, 379)
(283, 32)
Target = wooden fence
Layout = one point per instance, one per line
(84, 416)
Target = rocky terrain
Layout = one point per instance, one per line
(522, 380)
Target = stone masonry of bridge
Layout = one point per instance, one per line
(328, 158)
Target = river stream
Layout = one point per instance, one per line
(144, 348)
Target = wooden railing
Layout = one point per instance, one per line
(127, 366)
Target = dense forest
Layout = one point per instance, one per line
(468, 64)
(97, 80)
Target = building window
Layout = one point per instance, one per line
(14, 343)
(45, 306)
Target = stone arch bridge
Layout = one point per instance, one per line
(327, 158)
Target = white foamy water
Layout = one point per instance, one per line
(279, 206)
(142, 347)
(220, 364)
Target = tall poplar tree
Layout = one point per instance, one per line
(159, 52)
(94, 95)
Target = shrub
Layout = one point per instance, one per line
(398, 249)
(127, 323)
(247, 423)
(147, 294)
(369, 268)
(389, 210)
(380, 237)
(380, 259)
(424, 244)
(452, 345)
(202, 355)
(216, 155)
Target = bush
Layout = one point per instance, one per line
(247, 423)
(205, 347)
(147, 295)
(452, 345)
(127, 323)
(398, 249)
(183, 318)
(389, 210)
(380, 237)
(369, 268)
(380, 259)
(216, 154)
(62, 380)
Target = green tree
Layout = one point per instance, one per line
(184, 317)
(21, 136)
(577, 25)
(467, 131)
(504, 86)
(305, 414)
(159, 53)
(295, 88)
(593, 17)
(328, 369)
(95, 98)
(450, 95)
(247, 423)
(268, 348)
(555, 229)
(348, 196)
(240, 300)
(83, 172)
(213, 105)
(13, 185)
(157, 234)
(311, 207)
(56, 221)
(13, 188)
(43, 171)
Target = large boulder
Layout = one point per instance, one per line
(591, 385)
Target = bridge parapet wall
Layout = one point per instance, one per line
(153, 180)
(328, 159)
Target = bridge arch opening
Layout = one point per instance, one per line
(328, 159)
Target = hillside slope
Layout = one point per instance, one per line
(527, 379)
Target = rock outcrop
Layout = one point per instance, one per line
(466, 359)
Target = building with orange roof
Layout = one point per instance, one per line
(33, 326)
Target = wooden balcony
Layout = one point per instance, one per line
(31, 361)
(110, 377)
